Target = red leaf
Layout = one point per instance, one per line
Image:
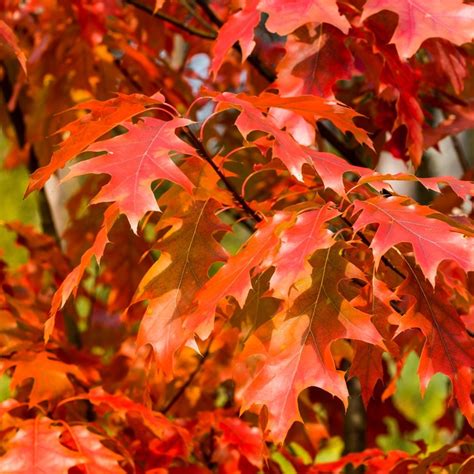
(367, 367)
(312, 68)
(462, 188)
(134, 160)
(331, 169)
(71, 282)
(448, 347)
(297, 243)
(234, 278)
(293, 155)
(238, 28)
(285, 16)
(103, 117)
(419, 20)
(35, 449)
(432, 239)
(50, 376)
(99, 459)
(188, 250)
(246, 439)
(296, 354)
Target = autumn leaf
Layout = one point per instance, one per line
(435, 183)
(239, 27)
(308, 234)
(448, 347)
(71, 282)
(103, 117)
(159, 425)
(234, 278)
(98, 458)
(312, 68)
(134, 160)
(399, 221)
(285, 16)
(332, 168)
(246, 439)
(292, 154)
(293, 350)
(419, 20)
(35, 449)
(310, 107)
(50, 376)
(188, 250)
(367, 366)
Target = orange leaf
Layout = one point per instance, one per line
(35, 449)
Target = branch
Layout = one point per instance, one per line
(205, 155)
(18, 122)
(253, 59)
(173, 21)
(328, 133)
(210, 13)
(355, 422)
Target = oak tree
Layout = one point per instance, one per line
(219, 274)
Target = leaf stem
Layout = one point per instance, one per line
(173, 21)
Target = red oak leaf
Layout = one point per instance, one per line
(435, 183)
(134, 160)
(234, 278)
(293, 155)
(71, 282)
(50, 376)
(367, 367)
(239, 27)
(312, 108)
(297, 353)
(308, 234)
(188, 249)
(419, 20)
(285, 16)
(99, 459)
(448, 347)
(159, 425)
(331, 169)
(246, 439)
(103, 117)
(312, 68)
(35, 449)
(432, 239)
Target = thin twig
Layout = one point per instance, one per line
(331, 137)
(210, 13)
(174, 21)
(190, 8)
(188, 382)
(355, 420)
(205, 155)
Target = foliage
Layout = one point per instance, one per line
(224, 282)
